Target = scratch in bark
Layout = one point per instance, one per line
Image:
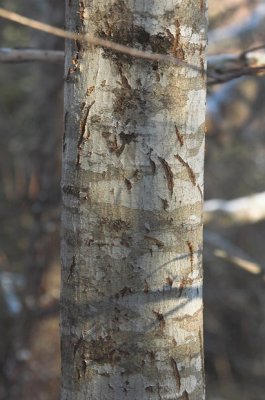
(64, 133)
(177, 49)
(169, 174)
(81, 12)
(189, 169)
(179, 136)
(165, 203)
(184, 396)
(191, 254)
(161, 319)
(169, 281)
(157, 242)
(199, 188)
(84, 133)
(128, 183)
(153, 165)
(72, 268)
(175, 373)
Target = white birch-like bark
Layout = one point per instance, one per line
(132, 204)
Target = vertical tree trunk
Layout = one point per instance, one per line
(132, 204)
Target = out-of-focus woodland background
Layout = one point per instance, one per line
(31, 104)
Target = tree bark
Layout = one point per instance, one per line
(132, 204)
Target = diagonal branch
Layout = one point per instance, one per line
(94, 41)
(223, 248)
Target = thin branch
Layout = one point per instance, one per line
(94, 41)
(223, 248)
(8, 55)
(221, 68)
(225, 67)
(249, 209)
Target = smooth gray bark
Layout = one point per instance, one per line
(132, 204)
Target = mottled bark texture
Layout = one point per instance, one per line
(132, 204)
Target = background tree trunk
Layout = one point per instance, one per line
(132, 204)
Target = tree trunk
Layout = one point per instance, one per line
(132, 204)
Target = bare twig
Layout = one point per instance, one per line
(221, 68)
(223, 248)
(225, 67)
(249, 209)
(8, 55)
(94, 41)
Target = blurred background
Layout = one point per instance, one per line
(31, 109)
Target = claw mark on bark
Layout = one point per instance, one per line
(179, 136)
(199, 188)
(124, 292)
(161, 319)
(81, 12)
(175, 373)
(113, 145)
(177, 49)
(153, 165)
(146, 287)
(169, 175)
(64, 133)
(84, 133)
(128, 183)
(190, 171)
(72, 268)
(191, 254)
(83, 121)
(184, 396)
(157, 242)
(90, 90)
(124, 80)
(169, 281)
(165, 203)
(184, 282)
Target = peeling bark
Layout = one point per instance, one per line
(131, 295)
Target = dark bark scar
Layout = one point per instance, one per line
(81, 11)
(146, 286)
(169, 174)
(72, 268)
(84, 132)
(128, 183)
(161, 319)
(184, 396)
(179, 136)
(157, 242)
(153, 165)
(177, 49)
(184, 282)
(176, 373)
(189, 169)
(169, 281)
(165, 204)
(199, 188)
(64, 133)
(190, 246)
